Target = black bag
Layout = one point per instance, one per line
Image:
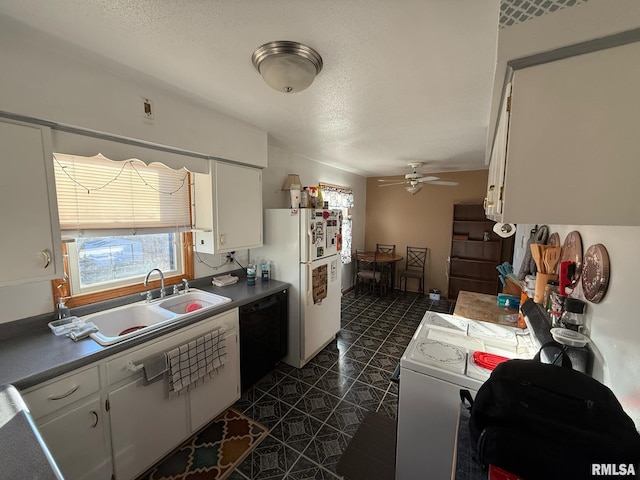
(542, 421)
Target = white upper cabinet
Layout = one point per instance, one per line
(228, 208)
(32, 249)
(573, 142)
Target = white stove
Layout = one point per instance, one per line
(436, 364)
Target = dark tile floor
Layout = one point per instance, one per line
(313, 412)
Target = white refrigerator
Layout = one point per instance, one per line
(303, 246)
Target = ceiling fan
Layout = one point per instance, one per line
(416, 180)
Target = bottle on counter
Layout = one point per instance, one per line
(251, 274)
(264, 271)
(304, 198)
(319, 199)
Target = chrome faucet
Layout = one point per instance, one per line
(146, 281)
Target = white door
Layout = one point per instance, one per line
(145, 425)
(238, 202)
(210, 398)
(29, 217)
(76, 441)
(319, 304)
(319, 233)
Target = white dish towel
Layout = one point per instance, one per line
(196, 361)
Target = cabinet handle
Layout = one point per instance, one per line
(64, 395)
(46, 257)
(95, 418)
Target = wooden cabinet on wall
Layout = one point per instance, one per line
(475, 252)
(570, 140)
(31, 231)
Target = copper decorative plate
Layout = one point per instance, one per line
(554, 240)
(595, 273)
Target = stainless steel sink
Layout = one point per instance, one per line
(121, 323)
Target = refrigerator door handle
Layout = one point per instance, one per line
(309, 283)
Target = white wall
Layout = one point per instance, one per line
(283, 161)
(49, 79)
(613, 323)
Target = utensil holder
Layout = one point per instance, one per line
(541, 283)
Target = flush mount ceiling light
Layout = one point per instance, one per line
(288, 67)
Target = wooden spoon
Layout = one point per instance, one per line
(551, 257)
(537, 254)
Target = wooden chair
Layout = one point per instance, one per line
(415, 263)
(369, 273)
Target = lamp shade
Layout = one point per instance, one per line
(292, 182)
(285, 66)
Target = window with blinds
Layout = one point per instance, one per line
(120, 219)
(95, 193)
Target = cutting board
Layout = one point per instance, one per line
(480, 306)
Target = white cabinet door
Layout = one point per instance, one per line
(496, 179)
(238, 207)
(145, 425)
(228, 208)
(209, 399)
(29, 218)
(77, 442)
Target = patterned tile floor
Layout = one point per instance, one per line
(313, 412)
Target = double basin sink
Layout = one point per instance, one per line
(121, 323)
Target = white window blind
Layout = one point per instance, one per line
(95, 193)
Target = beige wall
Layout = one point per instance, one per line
(393, 215)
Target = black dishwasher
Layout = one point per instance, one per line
(263, 336)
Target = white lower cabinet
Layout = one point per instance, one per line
(106, 421)
(215, 394)
(76, 440)
(145, 425)
(69, 414)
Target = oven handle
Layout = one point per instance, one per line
(395, 378)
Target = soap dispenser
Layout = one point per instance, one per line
(63, 310)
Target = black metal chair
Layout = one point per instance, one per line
(386, 267)
(386, 248)
(415, 263)
(369, 273)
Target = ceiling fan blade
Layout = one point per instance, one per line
(442, 182)
(390, 184)
(427, 179)
(382, 180)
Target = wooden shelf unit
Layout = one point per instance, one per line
(473, 260)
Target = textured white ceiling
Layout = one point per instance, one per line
(403, 80)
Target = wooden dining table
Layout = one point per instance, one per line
(380, 257)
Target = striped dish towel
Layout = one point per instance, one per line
(195, 362)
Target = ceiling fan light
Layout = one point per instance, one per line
(287, 67)
(413, 189)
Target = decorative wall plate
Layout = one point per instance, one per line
(554, 240)
(572, 251)
(595, 273)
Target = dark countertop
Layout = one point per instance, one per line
(19, 435)
(30, 353)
